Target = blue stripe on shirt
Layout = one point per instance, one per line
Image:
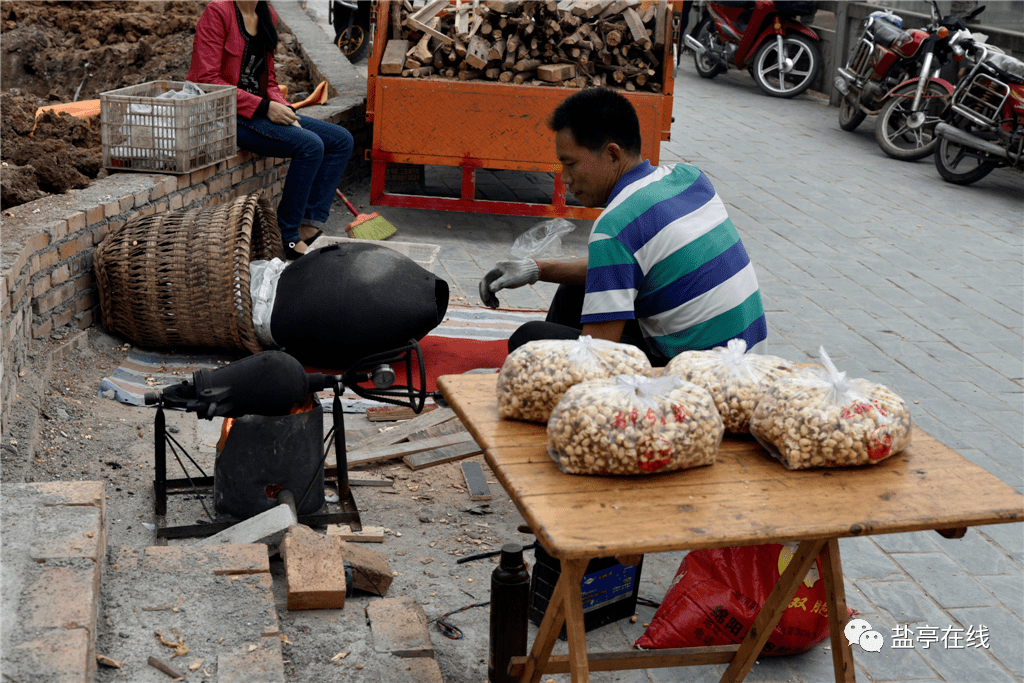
(697, 282)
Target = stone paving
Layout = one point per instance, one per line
(907, 280)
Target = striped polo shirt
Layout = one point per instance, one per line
(664, 251)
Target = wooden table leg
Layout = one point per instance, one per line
(771, 612)
(835, 592)
(574, 571)
(555, 615)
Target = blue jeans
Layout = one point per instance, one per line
(319, 152)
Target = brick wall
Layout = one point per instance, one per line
(46, 269)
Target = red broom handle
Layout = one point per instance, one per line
(347, 203)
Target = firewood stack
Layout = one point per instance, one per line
(573, 44)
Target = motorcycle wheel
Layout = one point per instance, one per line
(353, 42)
(960, 165)
(806, 65)
(850, 115)
(707, 67)
(894, 136)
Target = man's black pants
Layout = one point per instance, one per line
(563, 322)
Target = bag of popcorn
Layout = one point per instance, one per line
(737, 380)
(536, 375)
(633, 424)
(817, 417)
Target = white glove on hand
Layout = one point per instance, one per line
(507, 275)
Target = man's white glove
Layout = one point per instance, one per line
(507, 275)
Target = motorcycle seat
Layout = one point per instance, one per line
(884, 32)
(1009, 68)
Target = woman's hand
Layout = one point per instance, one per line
(279, 113)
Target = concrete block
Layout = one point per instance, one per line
(221, 560)
(370, 569)
(399, 626)
(62, 597)
(264, 664)
(314, 571)
(267, 527)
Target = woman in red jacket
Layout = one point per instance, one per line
(234, 45)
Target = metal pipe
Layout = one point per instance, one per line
(964, 139)
(926, 69)
(694, 45)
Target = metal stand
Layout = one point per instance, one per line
(375, 368)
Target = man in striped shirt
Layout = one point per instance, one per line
(666, 269)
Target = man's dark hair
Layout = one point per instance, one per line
(596, 117)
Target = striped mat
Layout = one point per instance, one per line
(466, 328)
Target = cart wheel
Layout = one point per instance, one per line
(353, 42)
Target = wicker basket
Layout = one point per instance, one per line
(181, 278)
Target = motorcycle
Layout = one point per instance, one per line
(895, 74)
(765, 38)
(983, 127)
(351, 21)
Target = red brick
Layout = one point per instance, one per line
(58, 655)
(61, 597)
(83, 281)
(142, 197)
(42, 329)
(86, 319)
(183, 181)
(85, 302)
(60, 274)
(126, 203)
(175, 201)
(215, 185)
(264, 664)
(244, 155)
(84, 241)
(76, 221)
(94, 215)
(69, 249)
(88, 493)
(247, 172)
(41, 286)
(48, 258)
(374, 575)
(4, 286)
(58, 230)
(37, 242)
(314, 570)
(250, 558)
(147, 210)
(170, 184)
(412, 670)
(111, 209)
(69, 531)
(236, 176)
(161, 206)
(63, 318)
(201, 175)
(399, 626)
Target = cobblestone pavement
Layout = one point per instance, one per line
(907, 280)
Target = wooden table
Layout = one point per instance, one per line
(745, 498)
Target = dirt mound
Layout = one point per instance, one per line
(55, 52)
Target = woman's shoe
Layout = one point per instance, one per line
(289, 251)
(310, 240)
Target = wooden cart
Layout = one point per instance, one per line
(485, 124)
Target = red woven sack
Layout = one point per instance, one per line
(717, 593)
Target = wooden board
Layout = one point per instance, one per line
(406, 448)
(745, 498)
(556, 73)
(395, 413)
(476, 482)
(452, 426)
(442, 455)
(394, 56)
(403, 430)
(369, 534)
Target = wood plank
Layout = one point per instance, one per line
(369, 534)
(394, 56)
(442, 455)
(426, 29)
(403, 430)
(637, 659)
(835, 599)
(395, 413)
(369, 481)
(476, 482)
(556, 73)
(406, 448)
(636, 27)
(477, 52)
(452, 426)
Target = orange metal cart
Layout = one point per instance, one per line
(484, 124)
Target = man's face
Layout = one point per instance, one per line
(590, 176)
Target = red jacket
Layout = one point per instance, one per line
(217, 56)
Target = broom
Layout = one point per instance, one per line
(367, 226)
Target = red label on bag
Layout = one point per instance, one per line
(653, 454)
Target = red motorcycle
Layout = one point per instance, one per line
(765, 38)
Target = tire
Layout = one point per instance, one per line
(353, 42)
(706, 35)
(806, 65)
(891, 131)
(960, 165)
(850, 115)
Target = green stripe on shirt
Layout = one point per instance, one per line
(725, 326)
(609, 252)
(681, 177)
(692, 256)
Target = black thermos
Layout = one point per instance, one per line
(510, 595)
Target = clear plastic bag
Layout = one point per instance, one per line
(737, 380)
(817, 417)
(543, 240)
(263, 277)
(634, 425)
(536, 375)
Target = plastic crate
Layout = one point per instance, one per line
(144, 133)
